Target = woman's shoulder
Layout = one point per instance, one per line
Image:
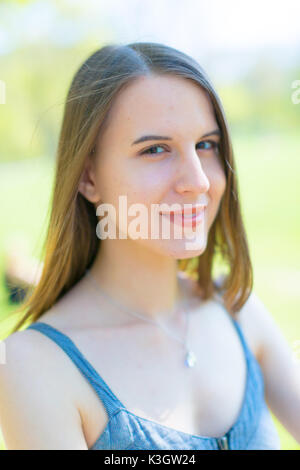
(66, 314)
(32, 380)
(30, 357)
(214, 307)
(194, 291)
(37, 348)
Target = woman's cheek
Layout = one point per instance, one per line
(217, 188)
(219, 184)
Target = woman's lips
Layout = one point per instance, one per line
(188, 220)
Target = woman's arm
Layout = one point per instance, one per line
(36, 410)
(281, 371)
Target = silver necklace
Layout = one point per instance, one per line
(190, 357)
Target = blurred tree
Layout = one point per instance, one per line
(37, 79)
(43, 44)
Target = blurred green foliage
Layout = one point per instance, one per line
(261, 102)
(37, 79)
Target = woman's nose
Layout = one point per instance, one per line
(191, 175)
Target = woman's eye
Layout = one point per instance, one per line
(211, 145)
(149, 150)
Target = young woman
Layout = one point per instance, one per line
(130, 342)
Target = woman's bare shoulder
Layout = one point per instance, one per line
(66, 313)
(35, 351)
(214, 306)
(34, 388)
(38, 351)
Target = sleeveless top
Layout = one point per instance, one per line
(253, 430)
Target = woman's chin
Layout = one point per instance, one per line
(180, 249)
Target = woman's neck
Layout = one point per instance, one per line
(142, 281)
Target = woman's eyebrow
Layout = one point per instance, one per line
(163, 137)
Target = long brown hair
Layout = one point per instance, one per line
(71, 242)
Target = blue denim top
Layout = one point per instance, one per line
(253, 430)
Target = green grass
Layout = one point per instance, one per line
(268, 170)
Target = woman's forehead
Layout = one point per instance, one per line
(161, 104)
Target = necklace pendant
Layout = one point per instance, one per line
(190, 359)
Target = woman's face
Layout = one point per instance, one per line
(182, 167)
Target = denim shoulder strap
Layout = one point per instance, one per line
(110, 401)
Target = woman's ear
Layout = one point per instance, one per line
(87, 184)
